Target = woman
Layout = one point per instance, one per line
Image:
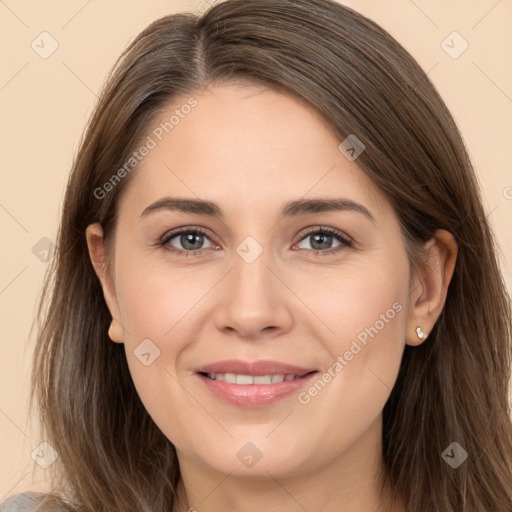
(201, 349)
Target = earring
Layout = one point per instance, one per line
(420, 333)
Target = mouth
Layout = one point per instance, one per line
(244, 379)
(253, 384)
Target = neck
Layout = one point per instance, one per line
(349, 482)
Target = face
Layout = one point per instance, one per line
(263, 333)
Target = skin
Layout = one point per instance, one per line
(250, 150)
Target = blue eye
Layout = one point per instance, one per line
(192, 240)
(326, 236)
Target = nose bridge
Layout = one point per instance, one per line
(251, 276)
(255, 298)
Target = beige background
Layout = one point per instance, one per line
(45, 103)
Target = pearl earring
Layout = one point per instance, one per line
(420, 333)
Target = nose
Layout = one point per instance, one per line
(256, 301)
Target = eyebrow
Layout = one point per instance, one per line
(289, 209)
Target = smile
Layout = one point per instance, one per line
(253, 384)
(233, 378)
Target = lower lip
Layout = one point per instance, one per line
(255, 395)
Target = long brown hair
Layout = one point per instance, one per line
(451, 388)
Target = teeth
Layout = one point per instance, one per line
(235, 378)
(228, 377)
(244, 379)
(262, 379)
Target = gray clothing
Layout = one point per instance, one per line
(33, 502)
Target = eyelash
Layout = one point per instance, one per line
(345, 241)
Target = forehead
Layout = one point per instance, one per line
(244, 146)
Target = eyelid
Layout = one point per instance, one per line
(184, 229)
(165, 239)
(327, 230)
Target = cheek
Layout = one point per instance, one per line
(156, 300)
(365, 308)
(368, 311)
(362, 301)
(374, 323)
(157, 309)
(159, 313)
(167, 402)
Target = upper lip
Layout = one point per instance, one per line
(265, 367)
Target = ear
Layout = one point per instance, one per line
(429, 290)
(96, 246)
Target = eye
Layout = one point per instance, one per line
(190, 239)
(321, 237)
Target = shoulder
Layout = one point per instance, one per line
(30, 501)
